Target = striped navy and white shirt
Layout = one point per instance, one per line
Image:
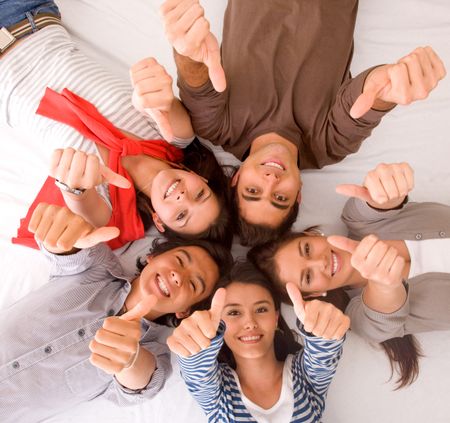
(214, 386)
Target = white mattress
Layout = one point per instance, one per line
(118, 33)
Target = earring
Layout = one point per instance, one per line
(277, 329)
(323, 294)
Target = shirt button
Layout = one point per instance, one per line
(81, 333)
(442, 234)
(418, 236)
(16, 365)
(48, 349)
(111, 313)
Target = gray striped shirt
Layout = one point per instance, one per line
(44, 354)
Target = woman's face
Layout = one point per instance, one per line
(179, 278)
(183, 202)
(251, 320)
(314, 265)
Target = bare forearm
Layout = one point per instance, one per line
(90, 206)
(138, 376)
(194, 74)
(180, 121)
(384, 299)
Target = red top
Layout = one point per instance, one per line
(81, 115)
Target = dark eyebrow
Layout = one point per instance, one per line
(248, 198)
(277, 205)
(202, 283)
(280, 206)
(301, 255)
(240, 305)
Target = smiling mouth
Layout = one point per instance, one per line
(171, 188)
(250, 339)
(276, 165)
(334, 263)
(162, 286)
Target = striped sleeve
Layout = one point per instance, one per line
(317, 363)
(203, 375)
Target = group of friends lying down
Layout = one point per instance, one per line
(124, 156)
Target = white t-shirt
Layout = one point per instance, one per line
(430, 255)
(283, 409)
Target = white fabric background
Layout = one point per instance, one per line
(118, 33)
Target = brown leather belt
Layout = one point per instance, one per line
(8, 36)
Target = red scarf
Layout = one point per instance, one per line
(81, 115)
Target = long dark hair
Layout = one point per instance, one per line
(284, 341)
(221, 256)
(201, 160)
(403, 352)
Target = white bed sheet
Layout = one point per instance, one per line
(118, 34)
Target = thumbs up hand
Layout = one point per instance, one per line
(115, 346)
(188, 31)
(153, 93)
(412, 78)
(61, 230)
(76, 169)
(318, 317)
(384, 187)
(196, 331)
(373, 259)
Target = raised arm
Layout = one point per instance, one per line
(325, 327)
(153, 94)
(77, 174)
(197, 342)
(197, 52)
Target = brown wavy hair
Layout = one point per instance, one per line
(403, 352)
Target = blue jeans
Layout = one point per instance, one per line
(13, 11)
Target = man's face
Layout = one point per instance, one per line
(178, 278)
(268, 185)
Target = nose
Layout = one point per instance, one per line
(176, 278)
(319, 263)
(181, 194)
(271, 176)
(250, 323)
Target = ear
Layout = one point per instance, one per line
(158, 222)
(148, 258)
(183, 314)
(235, 178)
(299, 196)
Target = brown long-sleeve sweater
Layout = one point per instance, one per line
(287, 68)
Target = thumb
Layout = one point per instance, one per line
(114, 178)
(297, 300)
(141, 309)
(103, 234)
(352, 190)
(217, 305)
(214, 64)
(162, 120)
(363, 103)
(343, 243)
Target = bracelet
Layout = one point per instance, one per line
(133, 360)
(64, 187)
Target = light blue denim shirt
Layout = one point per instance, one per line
(44, 354)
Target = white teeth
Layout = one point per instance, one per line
(250, 338)
(171, 189)
(162, 286)
(273, 164)
(334, 261)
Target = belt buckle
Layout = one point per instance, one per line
(6, 39)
